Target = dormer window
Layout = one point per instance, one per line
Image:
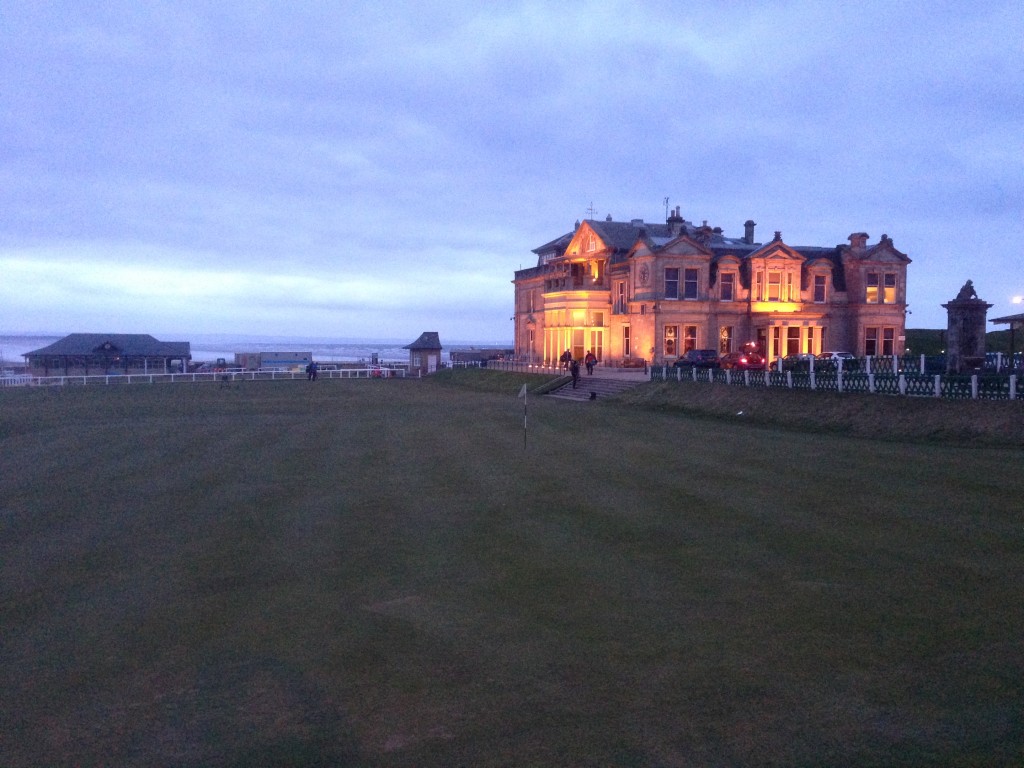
(819, 289)
(727, 286)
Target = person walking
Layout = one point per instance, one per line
(590, 361)
(574, 369)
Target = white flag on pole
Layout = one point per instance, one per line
(522, 392)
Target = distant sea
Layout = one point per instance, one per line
(212, 346)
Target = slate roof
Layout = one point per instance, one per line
(125, 344)
(621, 236)
(427, 340)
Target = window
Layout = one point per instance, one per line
(774, 286)
(889, 292)
(598, 319)
(871, 294)
(671, 341)
(690, 277)
(819, 289)
(791, 293)
(625, 341)
(776, 341)
(811, 348)
(870, 341)
(793, 340)
(727, 286)
(888, 341)
(671, 282)
(689, 337)
(620, 304)
(759, 287)
(725, 339)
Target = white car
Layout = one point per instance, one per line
(849, 360)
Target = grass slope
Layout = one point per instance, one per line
(377, 573)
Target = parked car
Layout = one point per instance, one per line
(742, 361)
(801, 362)
(830, 361)
(698, 358)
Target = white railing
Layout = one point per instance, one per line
(221, 377)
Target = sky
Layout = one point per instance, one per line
(378, 169)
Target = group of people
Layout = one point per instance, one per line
(311, 371)
(572, 365)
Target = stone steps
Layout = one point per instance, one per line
(600, 386)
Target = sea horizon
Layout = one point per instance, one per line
(212, 346)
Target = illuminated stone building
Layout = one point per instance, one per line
(635, 291)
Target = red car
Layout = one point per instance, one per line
(742, 361)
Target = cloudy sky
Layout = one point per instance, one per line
(376, 169)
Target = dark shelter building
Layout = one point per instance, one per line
(84, 354)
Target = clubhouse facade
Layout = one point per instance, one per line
(635, 292)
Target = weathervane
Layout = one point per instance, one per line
(590, 211)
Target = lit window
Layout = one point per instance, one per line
(728, 286)
(725, 339)
(690, 277)
(819, 289)
(791, 292)
(689, 337)
(889, 294)
(671, 340)
(671, 282)
(774, 286)
(871, 295)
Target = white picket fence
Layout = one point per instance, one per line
(211, 377)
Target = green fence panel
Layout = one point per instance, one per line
(856, 382)
(956, 387)
(920, 386)
(887, 384)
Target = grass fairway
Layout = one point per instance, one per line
(376, 573)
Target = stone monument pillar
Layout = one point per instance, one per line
(965, 330)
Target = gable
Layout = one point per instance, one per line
(777, 252)
(585, 241)
(684, 246)
(884, 251)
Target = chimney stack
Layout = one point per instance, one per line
(748, 231)
(858, 241)
(675, 222)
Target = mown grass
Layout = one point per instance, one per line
(377, 573)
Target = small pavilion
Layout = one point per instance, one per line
(424, 354)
